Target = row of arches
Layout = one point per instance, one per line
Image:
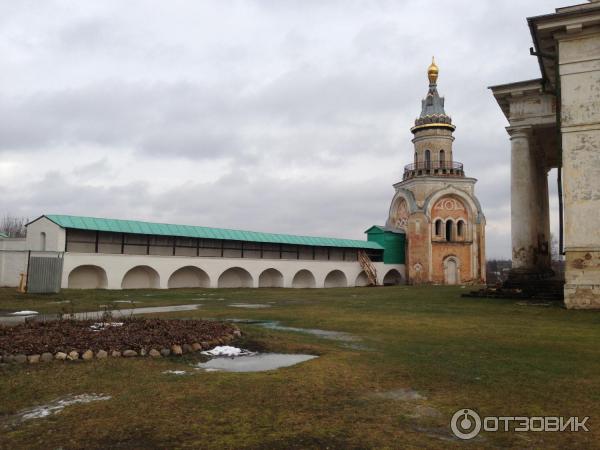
(450, 230)
(145, 277)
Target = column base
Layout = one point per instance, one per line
(524, 276)
(538, 284)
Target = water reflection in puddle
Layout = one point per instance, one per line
(259, 362)
(248, 305)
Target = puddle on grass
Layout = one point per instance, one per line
(249, 305)
(325, 334)
(55, 407)
(133, 311)
(9, 319)
(258, 362)
(348, 340)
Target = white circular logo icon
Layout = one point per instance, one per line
(465, 424)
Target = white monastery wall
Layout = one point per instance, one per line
(149, 271)
(13, 261)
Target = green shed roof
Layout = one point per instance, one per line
(164, 229)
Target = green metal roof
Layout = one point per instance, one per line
(164, 229)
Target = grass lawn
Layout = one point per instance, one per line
(494, 356)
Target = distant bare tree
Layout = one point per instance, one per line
(14, 227)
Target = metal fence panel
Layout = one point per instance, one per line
(44, 274)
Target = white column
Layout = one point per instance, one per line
(523, 201)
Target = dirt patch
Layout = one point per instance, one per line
(135, 334)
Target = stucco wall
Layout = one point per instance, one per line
(55, 236)
(580, 116)
(13, 261)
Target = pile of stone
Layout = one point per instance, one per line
(137, 337)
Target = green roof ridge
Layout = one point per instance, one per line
(166, 229)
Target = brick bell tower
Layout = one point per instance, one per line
(435, 203)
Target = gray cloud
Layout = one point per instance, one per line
(286, 116)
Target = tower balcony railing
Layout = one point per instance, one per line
(434, 168)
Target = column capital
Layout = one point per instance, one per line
(519, 132)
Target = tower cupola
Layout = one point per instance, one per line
(433, 114)
(433, 136)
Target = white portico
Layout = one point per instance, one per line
(554, 122)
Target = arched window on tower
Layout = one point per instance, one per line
(442, 159)
(449, 226)
(427, 159)
(439, 226)
(460, 229)
(416, 158)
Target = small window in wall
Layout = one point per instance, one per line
(427, 159)
(43, 241)
(439, 225)
(442, 158)
(460, 229)
(449, 226)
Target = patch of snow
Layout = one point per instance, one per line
(175, 372)
(58, 405)
(226, 350)
(99, 326)
(24, 313)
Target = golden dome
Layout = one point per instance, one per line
(433, 71)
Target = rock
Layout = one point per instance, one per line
(73, 355)
(196, 346)
(130, 353)
(101, 354)
(205, 345)
(61, 356)
(154, 353)
(33, 359)
(176, 350)
(20, 358)
(87, 355)
(116, 354)
(165, 352)
(237, 333)
(9, 359)
(143, 352)
(46, 357)
(187, 348)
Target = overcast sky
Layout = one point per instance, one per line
(281, 116)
